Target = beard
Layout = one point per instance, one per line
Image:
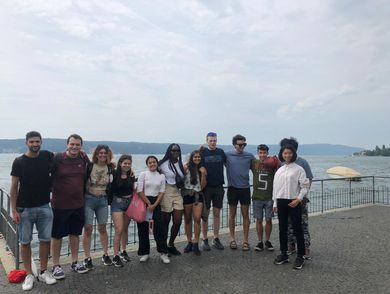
(34, 149)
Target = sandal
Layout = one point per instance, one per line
(233, 245)
(245, 246)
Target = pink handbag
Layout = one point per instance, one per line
(136, 209)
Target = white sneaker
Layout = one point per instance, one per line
(28, 282)
(165, 258)
(47, 278)
(144, 258)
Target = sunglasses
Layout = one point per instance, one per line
(241, 145)
(175, 150)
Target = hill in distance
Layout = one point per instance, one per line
(58, 145)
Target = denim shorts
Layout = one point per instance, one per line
(260, 206)
(96, 205)
(41, 216)
(120, 204)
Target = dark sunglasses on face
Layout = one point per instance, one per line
(175, 150)
(241, 145)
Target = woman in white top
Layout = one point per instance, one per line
(151, 188)
(172, 204)
(290, 186)
(194, 182)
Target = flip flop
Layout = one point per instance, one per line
(245, 246)
(233, 245)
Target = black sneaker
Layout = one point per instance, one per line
(298, 263)
(188, 248)
(124, 256)
(195, 249)
(106, 260)
(217, 244)
(280, 259)
(117, 261)
(88, 263)
(172, 250)
(259, 246)
(205, 245)
(269, 246)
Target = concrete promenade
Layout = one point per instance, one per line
(350, 252)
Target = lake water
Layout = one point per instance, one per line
(367, 166)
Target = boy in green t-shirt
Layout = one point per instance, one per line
(263, 170)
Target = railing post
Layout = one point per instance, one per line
(17, 257)
(322, 196)
(350, 194)
(373, 189)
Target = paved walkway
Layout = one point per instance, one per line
(350, 255)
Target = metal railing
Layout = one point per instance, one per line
(8, 229)
(324, 195)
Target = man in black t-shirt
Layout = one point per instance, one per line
(30, 197)
(213, 159)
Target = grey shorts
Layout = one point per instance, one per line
(261, 206)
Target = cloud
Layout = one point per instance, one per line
(182, 68)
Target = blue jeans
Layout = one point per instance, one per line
(41, 216)
(96, 205)
(120, 204)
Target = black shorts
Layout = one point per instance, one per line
(191, 199)
(239, 194)
(67, 222)
(214, 194)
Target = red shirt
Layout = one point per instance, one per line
(68, 183)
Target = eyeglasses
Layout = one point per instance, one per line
(175, 150)
(241, 145)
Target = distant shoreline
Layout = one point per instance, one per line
(57, 145)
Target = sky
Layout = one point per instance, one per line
(171, 71)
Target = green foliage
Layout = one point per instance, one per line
(378, 151)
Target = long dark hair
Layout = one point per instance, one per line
(168, 157)
(193, 168)
(118, 173)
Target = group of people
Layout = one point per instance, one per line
(82, 189)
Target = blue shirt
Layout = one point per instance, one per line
(305, 165)
(237, 168)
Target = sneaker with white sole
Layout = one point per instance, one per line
(259, 246)
(144, 258)
(28, 283)
(298, 263)
(47, 278)
(117, 261)
(269, 246)
(106, 260)
(124, 256)
(165, 258)
(78, 268)
(58, 273)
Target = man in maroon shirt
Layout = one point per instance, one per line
(68, 173)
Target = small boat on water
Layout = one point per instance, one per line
(350, 174)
